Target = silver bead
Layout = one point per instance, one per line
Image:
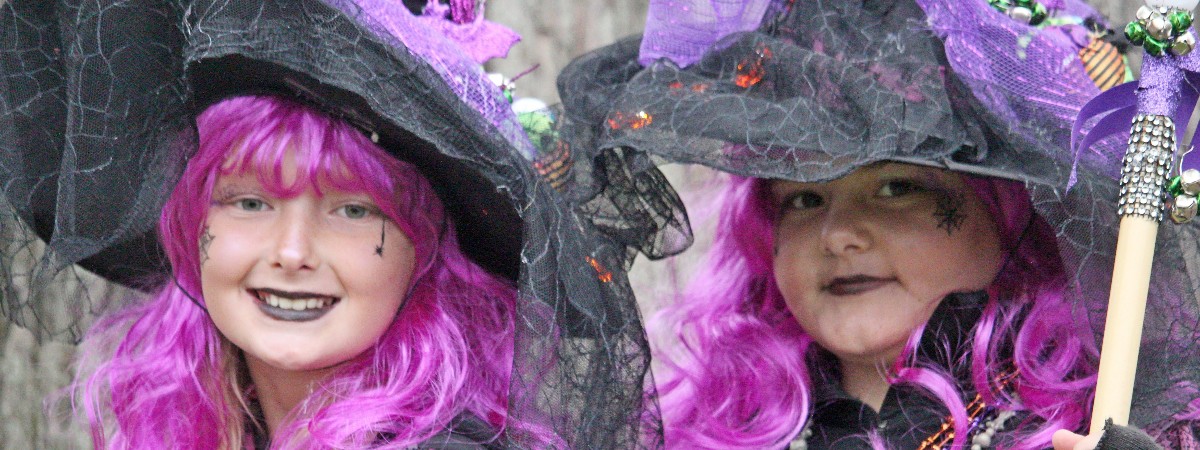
(1183, 44)
(1190, 181)
(1159, 28)
(1184, 209)
(1021, 14)
(1144, 13)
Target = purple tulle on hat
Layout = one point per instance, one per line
(1024, 74)
(479, 38)
(454, 50)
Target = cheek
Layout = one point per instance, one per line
(379, 272)
(226, 261)
(793, 269)
(381, 286)
(226, 252)
(231, 238)
(789, 259)
(967, 260)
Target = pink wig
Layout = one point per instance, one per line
(739, 377)
(166, 378)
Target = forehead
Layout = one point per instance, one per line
(868, 176)
(287, 169)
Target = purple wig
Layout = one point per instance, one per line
(447, 352)
(733, 316)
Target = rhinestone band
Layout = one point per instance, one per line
(1146, 167)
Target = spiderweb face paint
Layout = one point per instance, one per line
(949, 212)
(205, 240)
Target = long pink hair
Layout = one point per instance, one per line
(738, 377)
(164, 377)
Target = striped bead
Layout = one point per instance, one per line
(1104, 64)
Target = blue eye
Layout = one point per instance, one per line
(250, 204)
(897, 188)
(354, 211)
(803, 200)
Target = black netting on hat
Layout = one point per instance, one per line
(96, 114)
(621, 193)
(821, 88)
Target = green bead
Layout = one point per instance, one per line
(1175, 186)
(1154, 46)
(1025, 3)
(1039, 14)
(1135, 32)
(1180, 21)
(536, 123)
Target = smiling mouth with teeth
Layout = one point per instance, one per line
(296, 301)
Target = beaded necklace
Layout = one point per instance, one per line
(984, 421)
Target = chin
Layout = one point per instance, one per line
(300, 365)
(873, 352)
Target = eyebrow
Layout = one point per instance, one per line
(226, 189)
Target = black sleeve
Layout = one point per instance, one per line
(1119, 437)
(467, 432)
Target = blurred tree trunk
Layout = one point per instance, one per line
(554, 31)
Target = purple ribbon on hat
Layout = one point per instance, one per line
(1168, 87)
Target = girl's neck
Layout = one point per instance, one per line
(865, 381)
(279, 391)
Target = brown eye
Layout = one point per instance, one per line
(898, 188)
(803, 200)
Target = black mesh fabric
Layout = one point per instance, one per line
(97, 101)
(622, 194)
(825, 87)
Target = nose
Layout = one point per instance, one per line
(293, 243)
(845, 229)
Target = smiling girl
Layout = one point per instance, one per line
(319, 273)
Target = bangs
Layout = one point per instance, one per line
(268, 136)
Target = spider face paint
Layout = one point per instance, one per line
(382, 236)
(949, 212)
(205, 240)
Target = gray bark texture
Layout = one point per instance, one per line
(554, 31)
